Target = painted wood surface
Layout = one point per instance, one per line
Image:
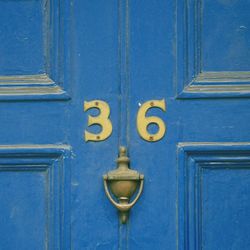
(54, 55)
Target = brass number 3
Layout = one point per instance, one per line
(143, 122)
(102, 119)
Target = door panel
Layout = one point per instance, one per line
(34, 196)
(33, 57)
(213, 186)
(27, 38)
(212, 49)
(56, 54)
(172, 57)
(222, 28)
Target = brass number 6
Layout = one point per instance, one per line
(102, 119)
(143, 122)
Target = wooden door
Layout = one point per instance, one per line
(192, 55)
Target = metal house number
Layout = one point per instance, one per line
(142, 121)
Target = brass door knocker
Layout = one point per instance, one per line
(123, 183)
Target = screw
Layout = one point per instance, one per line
(98, 137)
(96, 103)
(152, 104)
(151, 138)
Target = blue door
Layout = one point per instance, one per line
(169, 80)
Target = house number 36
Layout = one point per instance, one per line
(142, 121)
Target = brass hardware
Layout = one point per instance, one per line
(144, 121)
(101, 119)
(123, 183)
